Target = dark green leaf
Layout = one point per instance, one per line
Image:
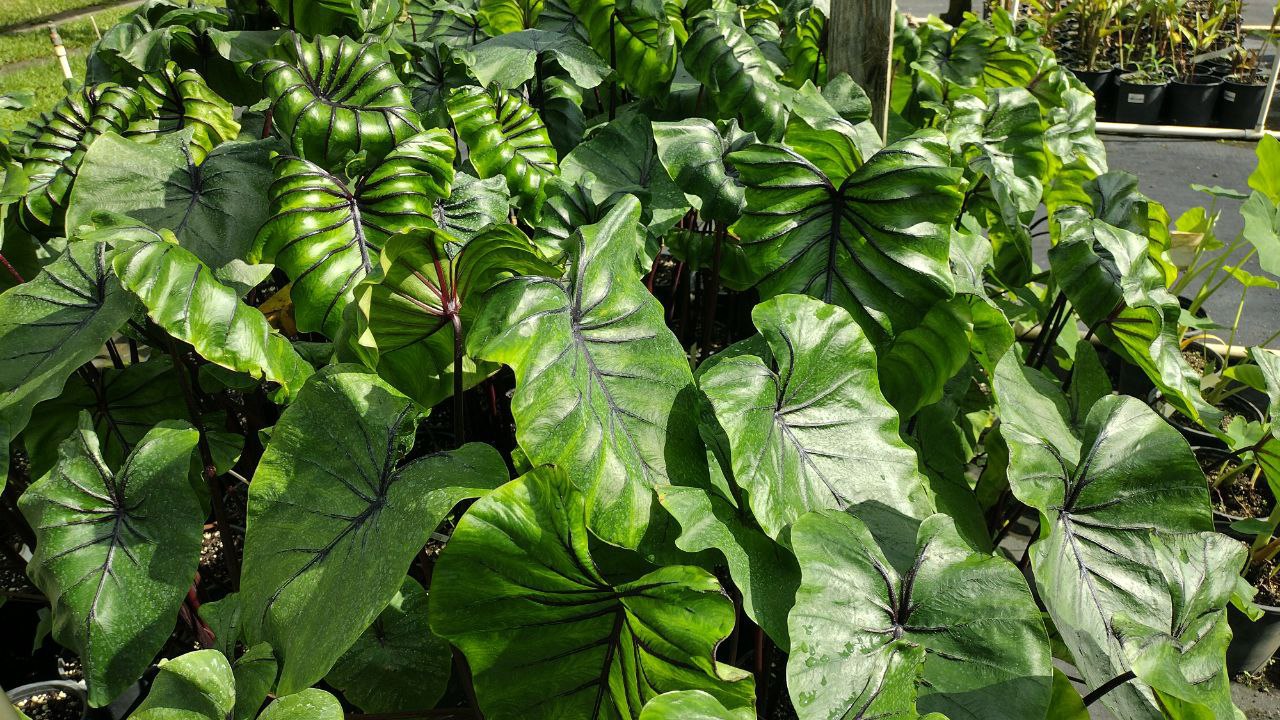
(873, 239)
(52, 325)
(864, 611)
(635, 37)
(511, 60)
(177, 99)
(691, 705)
(738, 78)
(694, 153)
(603, 389)
(214, 204)
(807, 425)
(325, 518)
(505, 137)
(398, 664)
(195, 686)
(546, 635)
(116, 550)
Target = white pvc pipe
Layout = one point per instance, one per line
(1141, 130)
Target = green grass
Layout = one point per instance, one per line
(14, 12)
(44, 78)
(78, 34)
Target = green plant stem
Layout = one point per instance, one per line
(1263, 539)
(710, 293)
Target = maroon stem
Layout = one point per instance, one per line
(12, 271)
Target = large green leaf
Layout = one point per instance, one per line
(865, 607)
(52, 325)
(195, 686)
(873, 239)
(343, 513)
(764, 571)
(635, 37)
(603, 389)
(177, 99)
(325, 230)
(411, 321)
(213, 202)
(737, 76)
(116, 550)
(498, 17)
(1120, 294)
(509, 61)
(691, 705)
(807, 426)
(694, 152)
(1181, 656)
(398, 664)
(255, 673)
(622, 157)
(547, 636)
(804, 46)
(1105, 486)
(223, 330)
(52, 161)
(337, 97)
(505, 137)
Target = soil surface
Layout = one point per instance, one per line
(53, 705)
(1268, 584)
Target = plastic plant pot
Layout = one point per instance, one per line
(1253, 643)
(1192, 102)
(1239, 104)
(1138, 101)
(72, 689)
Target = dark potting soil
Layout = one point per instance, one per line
(1267, 580)
(1241, 497)
(213, 569)
(1196, 360)
(52, 705)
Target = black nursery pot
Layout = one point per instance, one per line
(1239, 104)
(1139, 103)
(1102, 83)
(1253, 644)
(1192, 102)
(73, 691)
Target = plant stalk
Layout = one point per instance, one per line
(12, 271)
(230, 557)
(459, 422)
(1107, 687)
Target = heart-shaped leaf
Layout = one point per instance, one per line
(547, 636)
(398, 664)
(116, 550)
(213, 203)
(221, 328)
(792, 407)
(345, 513)
(873, 239)
(308, 704)
(335, 97)
(738, 78)
(865, 609)
(603, 389)
(325, 230)
(52, 325)
(1181, 656)
(505, 137)
(1105, 487)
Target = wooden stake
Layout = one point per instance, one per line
(59, 51)
(860, 42)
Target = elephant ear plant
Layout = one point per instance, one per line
(597, 360)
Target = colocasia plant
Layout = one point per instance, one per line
(589, 359)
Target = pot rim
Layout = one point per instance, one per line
(1123, 79)
(1199, 81)
(70, 687)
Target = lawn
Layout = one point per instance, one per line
(16, 12)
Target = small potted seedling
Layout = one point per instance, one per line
(1245, 89)
(1193, 95)
(1141, 93)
